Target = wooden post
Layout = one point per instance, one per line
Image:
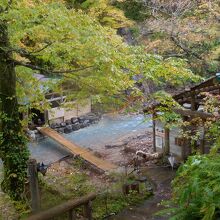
(88, 210)
(72, 215)
(185, 142)
(193, 101)
(154, 132)
(166, 141)
(33, 180)
(202, 142)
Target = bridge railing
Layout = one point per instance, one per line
(69, 207)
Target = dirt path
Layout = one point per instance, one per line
(162, 178)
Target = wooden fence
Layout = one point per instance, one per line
(69, 207)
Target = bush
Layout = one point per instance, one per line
(133, 9)
(196, 189)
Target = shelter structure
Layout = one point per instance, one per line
(58, 112)
(191, 100)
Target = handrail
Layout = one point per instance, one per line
(66, 207)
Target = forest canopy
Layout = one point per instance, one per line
(76, 46)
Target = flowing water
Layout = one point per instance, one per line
(110, 129)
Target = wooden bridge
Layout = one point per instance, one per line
(77, 150)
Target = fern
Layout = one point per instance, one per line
(196, 190)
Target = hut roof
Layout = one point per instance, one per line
(194, 93)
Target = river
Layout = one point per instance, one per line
(110, 129)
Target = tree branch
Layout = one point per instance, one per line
(49, 72)
(175, 55)
(184, 48)
(23, 52)
(37, 51)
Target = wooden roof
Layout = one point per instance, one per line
(193, 96)
(209, 85)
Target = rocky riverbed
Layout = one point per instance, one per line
(124, 151)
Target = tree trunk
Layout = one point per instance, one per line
(13, 150)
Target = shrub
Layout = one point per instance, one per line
(196, 189)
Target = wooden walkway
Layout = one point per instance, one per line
(77, 150)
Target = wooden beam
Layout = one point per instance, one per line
(194, 114)
(206, 83)
(62, 208)
(77, 150)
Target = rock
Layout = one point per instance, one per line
(31, 134)
(68, 122)
(57, 125)
(86, 122)
(75, 127)
(127, 35)
(91, 117)
(62, 124)
(74, 120)
(91, 114)
(53, 125)
(81, 119)
(68, 129)
(82, 125)
(61, 130)
(39, 137)
(36, 131)
(148, 156)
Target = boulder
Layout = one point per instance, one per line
(91, 117)
(75, 127)
(148, 156)
(53, 125)
(68, 129)
(68, 122)
(74, 120)
(82, 125)
(63, 124)
(86, 122)
(61, 130)
(81, 119)
(31, 134)
(57, 125)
